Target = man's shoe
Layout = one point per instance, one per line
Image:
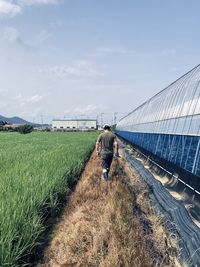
(105, 175)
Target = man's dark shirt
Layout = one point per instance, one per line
(107, 140)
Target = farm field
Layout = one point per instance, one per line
(35, 169)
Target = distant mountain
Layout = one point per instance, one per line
(17, 120)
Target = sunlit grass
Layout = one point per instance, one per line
(34, 170)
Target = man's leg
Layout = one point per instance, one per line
(109, 162)
(105, 175)
(106, 162)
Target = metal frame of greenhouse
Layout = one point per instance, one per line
(168, 125)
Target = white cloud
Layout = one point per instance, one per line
(12, 35)
(35, 98)
(80, 69)
(28, 100)
(114, 50)
(9, 8)
(38, 2)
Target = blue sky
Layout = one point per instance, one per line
(63, 58)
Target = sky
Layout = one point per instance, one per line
(82, 58)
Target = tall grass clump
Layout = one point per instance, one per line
(34, 170)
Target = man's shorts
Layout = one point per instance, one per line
(106, 160)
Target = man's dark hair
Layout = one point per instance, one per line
(106, 127)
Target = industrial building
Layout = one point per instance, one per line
(74, 124)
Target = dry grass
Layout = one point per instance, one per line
(109, 225)
(163, 241)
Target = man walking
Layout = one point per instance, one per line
(105, 146)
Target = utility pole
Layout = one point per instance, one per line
(115, 118)
(97, 118)
(102, 119)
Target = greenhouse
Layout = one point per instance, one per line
(168, 124)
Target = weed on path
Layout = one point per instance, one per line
(100, 226)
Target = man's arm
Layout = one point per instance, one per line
(98, 145)
(116, 145)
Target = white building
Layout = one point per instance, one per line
(76, 124)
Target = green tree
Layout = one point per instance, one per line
(25, 129)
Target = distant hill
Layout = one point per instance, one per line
(18, 120)
(14, 120)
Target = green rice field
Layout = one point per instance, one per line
(35, 170)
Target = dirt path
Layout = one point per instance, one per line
(108, 225)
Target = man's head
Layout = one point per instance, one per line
(106, 127)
